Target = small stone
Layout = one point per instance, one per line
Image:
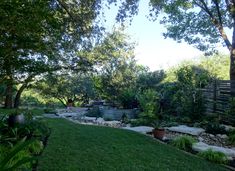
(211, 135)
(222, 136)
(200, 139)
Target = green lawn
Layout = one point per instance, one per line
(33, 111)
(73, 147)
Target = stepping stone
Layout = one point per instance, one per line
(186, 130)
(200, 146)
(49, 116)
(67, 114)
(140, 129)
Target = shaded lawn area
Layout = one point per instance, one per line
(73, 147)
(10, 111)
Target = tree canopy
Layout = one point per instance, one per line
(41, 36)
(202, 23)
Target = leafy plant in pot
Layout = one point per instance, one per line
(158, 131)
(15, 118)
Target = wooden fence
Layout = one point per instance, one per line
(217, 96)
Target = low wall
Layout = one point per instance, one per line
(116, 114)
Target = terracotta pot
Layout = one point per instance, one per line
(159, 133)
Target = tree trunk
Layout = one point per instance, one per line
(232, 64)
(9, 95)
(19, 92)
(18, 95)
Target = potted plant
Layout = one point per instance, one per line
(158, 131)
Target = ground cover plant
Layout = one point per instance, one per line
(81, 147)
(183, 142)
(21, 142)
(35, 111)
(214, 156)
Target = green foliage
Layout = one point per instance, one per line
(44, 42)
(148, 104)
(78, 87)
(128, 98)
(215, 128)
(188, 99)
(231, 137)
(119, 70)
(214, 156)
(94, 112)
(36, 147)
(49, 110)
(124, 118)
(17, 158)
(141, 121)
(183, 142)
(150, 80)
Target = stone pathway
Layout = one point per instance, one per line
(140, 129)
(187, 130)
(200, 146)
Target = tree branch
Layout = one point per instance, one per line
(218, 11)
(64, 6)
(217, 23)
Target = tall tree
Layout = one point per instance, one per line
(119, 70)
(63, 86)
(199, 22)
(40, 36)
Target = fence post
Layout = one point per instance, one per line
(214, 96)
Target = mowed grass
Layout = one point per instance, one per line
(10, 111)
(73, 147)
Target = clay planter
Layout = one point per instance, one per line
(158, 133)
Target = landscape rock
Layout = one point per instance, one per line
(187, 130)
(228, 127)
(200, 139)
(200, 146)
(222, 136)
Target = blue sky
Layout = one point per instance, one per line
(152, 49)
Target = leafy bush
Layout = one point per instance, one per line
(49, 110)
(230, 118)
(148, 101)
(231, 137)
(124, 118)
(141, 122)
(128, 99)
(187, 99)
(183, 142)
(94, 112)
(18, 157)
(215, 128)
(214, 156)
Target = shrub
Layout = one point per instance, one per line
(18, 158)
(94, 112)
(214, 156)
(215, 128)
(231, 137)
(141, 122)
(108, 119)
(148, 101)
(49, 110)
(128, 98)
(124, 118)
(183, 142)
